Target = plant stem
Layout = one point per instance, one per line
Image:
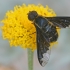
(30, 59)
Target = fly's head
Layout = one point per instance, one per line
(32, 15)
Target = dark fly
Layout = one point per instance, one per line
(46, 33)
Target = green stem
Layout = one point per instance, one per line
(30, 59)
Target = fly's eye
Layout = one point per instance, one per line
(32, 15)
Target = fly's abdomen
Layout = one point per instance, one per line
(53, 36)
(51, 33)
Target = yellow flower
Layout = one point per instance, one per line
(18, 29)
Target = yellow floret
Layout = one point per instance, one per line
(18, 29)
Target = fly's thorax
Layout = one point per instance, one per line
(41, 21)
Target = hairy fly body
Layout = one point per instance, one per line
(46, 33)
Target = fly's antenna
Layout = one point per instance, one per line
(32, 15)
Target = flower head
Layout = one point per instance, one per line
(18, 29)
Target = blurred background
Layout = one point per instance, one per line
(15, 58)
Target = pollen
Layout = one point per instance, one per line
(18, 30)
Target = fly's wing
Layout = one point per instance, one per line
(43, 50)
(61, 22)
